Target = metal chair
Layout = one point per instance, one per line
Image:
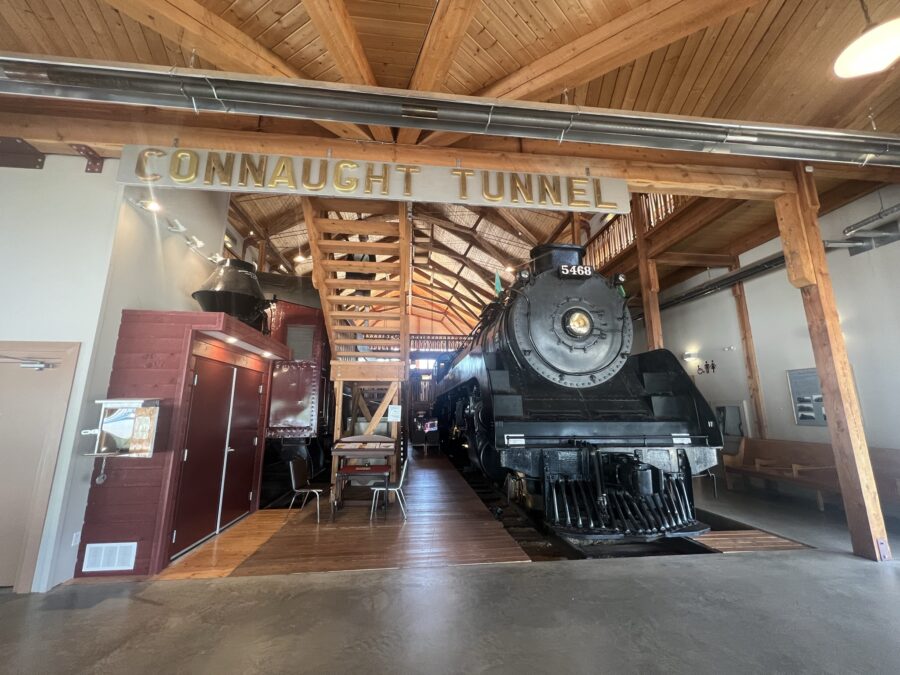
(396, 489)
(305, 491)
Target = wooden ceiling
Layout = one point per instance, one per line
(755, 60)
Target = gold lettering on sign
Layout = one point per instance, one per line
(140, 167)
(407, 170)
(575, 191)
(253, 169)
(464, 175)
(486, 186)
(598, 197)
(283, 174)
(180, 173)
(521, 186)
(306, 175)
(217, 168)
(549, 190)
(384, 178)
(341, 182)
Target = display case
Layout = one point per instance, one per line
(127, 428)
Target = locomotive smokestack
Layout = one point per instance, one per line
(551, 256)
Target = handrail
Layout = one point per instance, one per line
(618, 235)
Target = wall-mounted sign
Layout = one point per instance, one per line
(394, 413)
(806, 397)
(339, 177)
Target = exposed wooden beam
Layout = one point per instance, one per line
(382, 409)
(190, 25)
(641, 176)
(566, 220)
(650, 26)
(496, 218)
(451, 299)
(473, 288)
(835, 198)
(473, 306)
(648, 276)
(465, 233)
(754, 383)
(804, 250)
(445, 35)
(335, 27)
(681, 259)
(266, 245)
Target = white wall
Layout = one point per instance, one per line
(151, 268)
(866, 287)
(76, 253)
(58, 226)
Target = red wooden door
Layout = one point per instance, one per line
(197, 505)
(242, 446)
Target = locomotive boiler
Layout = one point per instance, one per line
(548, 395)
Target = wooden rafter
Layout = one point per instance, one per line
(496, 218)
(334, 25)
(266, 246)
(625, 39)
(466, 234)
(445, 35)
(191, 26)
(450, 298)
(475, 290)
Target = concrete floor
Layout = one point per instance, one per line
(793, 516)
(806, 611)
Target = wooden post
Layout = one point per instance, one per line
(808, 270)
(648, 276)
(338, 409)
(750, 362)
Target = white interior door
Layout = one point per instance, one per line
(33, 405)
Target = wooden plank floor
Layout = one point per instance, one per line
(745, 541)
(448, 525)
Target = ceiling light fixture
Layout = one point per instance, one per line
(268, 355)
(299, 257)
(231, 340)
(194, 242)
(216, 258)
(876, 50)
(509, 268)
(174, 225)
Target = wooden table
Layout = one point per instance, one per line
(379, 471)
(363, 452)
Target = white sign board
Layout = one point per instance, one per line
(338, 177)
(393, 413)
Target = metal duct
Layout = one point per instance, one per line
(214, 91)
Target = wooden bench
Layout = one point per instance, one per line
(808, 465)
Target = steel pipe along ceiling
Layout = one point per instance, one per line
(188, 89)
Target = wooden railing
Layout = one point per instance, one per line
(437, 343)
(618, 235)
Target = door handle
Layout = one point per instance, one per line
(229, 449)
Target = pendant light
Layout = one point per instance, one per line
(876, 50)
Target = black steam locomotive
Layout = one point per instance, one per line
(548, 395)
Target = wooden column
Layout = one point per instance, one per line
(750, 362)
(648, 276)
(807, 269)
(338, 409)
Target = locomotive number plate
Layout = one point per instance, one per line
(576, 271)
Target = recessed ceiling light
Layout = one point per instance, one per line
(231, 340)
(268, 355)
(299, 258)
(876, 50)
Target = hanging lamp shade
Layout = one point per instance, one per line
(876, 50)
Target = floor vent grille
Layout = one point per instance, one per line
(109, 557)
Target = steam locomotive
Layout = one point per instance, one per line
(548, 395)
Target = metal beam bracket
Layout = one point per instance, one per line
(94, 161)
(15, 153)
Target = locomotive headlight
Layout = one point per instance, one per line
(577, 323)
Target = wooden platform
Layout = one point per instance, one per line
(745, 541)
(448, 525)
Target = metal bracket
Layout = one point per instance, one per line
(15, 153)
(94, 161)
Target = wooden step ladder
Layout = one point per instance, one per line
(363, 271)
